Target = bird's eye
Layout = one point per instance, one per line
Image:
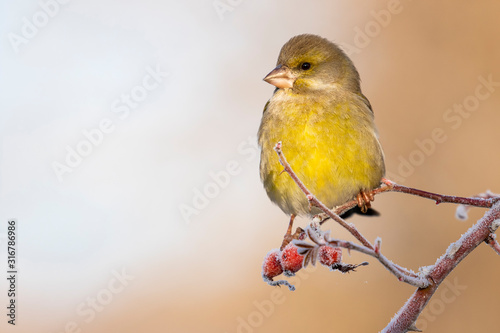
(305, 66)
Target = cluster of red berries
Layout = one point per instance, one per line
(289, 261)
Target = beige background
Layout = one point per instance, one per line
(120, 208)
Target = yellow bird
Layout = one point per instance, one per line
(326, 126)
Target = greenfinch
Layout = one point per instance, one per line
(326, 127)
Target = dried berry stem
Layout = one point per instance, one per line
(401, 273)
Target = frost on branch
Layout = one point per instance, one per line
(462, 212)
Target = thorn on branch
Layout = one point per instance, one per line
(494, 225)
(413, 328)
(378, 245)
(491, 240)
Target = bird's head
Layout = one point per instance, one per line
(311, 63)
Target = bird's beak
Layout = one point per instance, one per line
(281, 77)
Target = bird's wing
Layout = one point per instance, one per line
(365, 100)
(265, 107)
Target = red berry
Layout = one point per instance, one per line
(291, 260)
(272, 265)
(329, 255)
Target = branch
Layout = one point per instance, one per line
(485, 200)
(455, 253)
(440, 198)
(402, 274)
(482, 231)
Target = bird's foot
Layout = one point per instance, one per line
(364, 199)
(288, 237)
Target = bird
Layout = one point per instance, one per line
(326, 128)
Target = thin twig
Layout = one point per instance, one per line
(418, 282)
(401, 273)
(440, 198)
(485, 200)
(321, 238)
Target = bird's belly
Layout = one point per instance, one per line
(334, 164)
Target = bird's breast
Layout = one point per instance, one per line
(330, 144)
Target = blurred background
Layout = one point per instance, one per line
(129, 160)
